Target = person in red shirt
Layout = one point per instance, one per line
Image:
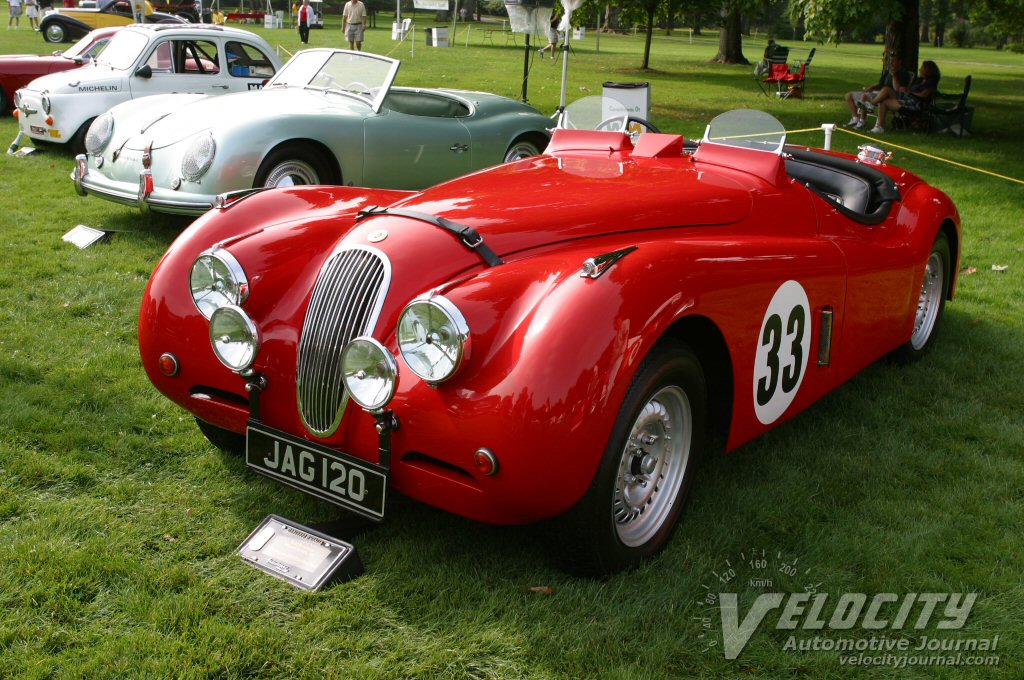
(305, 19)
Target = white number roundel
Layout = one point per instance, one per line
(782, 349)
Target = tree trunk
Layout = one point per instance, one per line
(901, 34)
(651, 7)
(926, 20)
(730, 40)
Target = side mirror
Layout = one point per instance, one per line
(144, 71)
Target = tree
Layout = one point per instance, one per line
(830, 20)
(730, 38)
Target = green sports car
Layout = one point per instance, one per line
(328, 117)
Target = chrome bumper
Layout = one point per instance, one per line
(141, 196)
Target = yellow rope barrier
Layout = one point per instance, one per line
(919, 153)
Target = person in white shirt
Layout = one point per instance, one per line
(305, 19)
(354, 16)
(15, 14)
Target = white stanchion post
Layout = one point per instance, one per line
(413, 52)
(829, 128)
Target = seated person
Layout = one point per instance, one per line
(763, 65)
(913, 98)
(893, 79)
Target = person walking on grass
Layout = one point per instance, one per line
(305, 17)
(15, 16)
(353, 19)
(553, 36)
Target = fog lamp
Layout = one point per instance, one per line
(234, 338)
(370, 373)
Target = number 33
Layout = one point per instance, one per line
(781, 357)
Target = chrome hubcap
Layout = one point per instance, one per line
(930, 301)
(652, 466)
(292, 173)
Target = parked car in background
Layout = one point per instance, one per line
(329, 117)
(562, 337)
(18, 70)
(64, 24)
(140, 61)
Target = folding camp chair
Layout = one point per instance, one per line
(778, 68)
(792, 84)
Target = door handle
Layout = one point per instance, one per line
(220, 87)
(458, 148)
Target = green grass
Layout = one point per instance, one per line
(118, 522)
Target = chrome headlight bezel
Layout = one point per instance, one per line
(433, 338)
(100, 133)
(198, 157)
(44, 101)
(370, 373)
(227, 285)
(17, 99)
(234, 338)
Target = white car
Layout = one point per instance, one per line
(142, 60)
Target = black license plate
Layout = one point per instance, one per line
(318, 470)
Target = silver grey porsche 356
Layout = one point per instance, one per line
(328, 117)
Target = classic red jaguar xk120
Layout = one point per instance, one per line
(559, 337)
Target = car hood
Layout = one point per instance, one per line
(574, 197)
(88, 79)
(169, 125)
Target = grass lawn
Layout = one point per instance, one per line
(118, 521)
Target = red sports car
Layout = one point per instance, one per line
(560, 337)
(18, 70)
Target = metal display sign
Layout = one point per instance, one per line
(299, 555)
(83, 236)
(432, 5)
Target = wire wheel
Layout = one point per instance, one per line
(652, 466)
(291, 173)
(929, 304)
(519, 150)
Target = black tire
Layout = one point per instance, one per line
(519, 149)
(225, 440)
(304, 163)
(931, 302)
(607, 531)
(5, 102)
(55, 33)
(77, 143)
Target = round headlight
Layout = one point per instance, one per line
(433, 338)
(17, 99)
(370, 373)
(99, 134)
(45, 101)
(198, 157)
(234, 338)
(217, 280)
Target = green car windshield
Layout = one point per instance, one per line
(365, 76)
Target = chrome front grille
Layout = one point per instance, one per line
(346, 302)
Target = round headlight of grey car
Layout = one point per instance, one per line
(234, 338)
(369, 372)
(217, 280)
(99, 134)
(198, 158)
(433, 338)
(45, 102)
